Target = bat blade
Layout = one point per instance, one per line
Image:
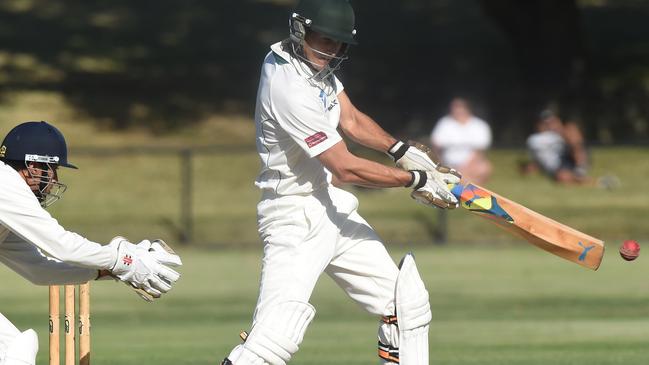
(541, 231)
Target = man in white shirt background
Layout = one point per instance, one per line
(462, 139)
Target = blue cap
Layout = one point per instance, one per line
(36, 142)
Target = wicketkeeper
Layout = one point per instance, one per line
(30, 156)
(309, 226)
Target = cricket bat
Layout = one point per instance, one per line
(535, 228)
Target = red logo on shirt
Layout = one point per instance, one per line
(128, 260)
(313, 140)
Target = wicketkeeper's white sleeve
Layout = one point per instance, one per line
(21, 213)
(30, 263)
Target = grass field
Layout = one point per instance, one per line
(503, 305)
(495, 300)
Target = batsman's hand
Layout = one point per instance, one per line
(431, 187)
(416, 156)
(145, 267)
(430, 179)
(413, 156)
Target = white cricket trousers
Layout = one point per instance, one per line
(304, 236)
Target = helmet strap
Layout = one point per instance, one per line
(318, 77)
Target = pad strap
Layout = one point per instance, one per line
(388, 341)
(389, 320)
(388, 352)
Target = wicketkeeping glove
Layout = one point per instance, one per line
(430, 180)
(164, 254)
(145, 266)
(161, 252)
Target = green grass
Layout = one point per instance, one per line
(495, 299)
(491, 305)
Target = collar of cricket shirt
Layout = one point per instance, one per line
(302, 69)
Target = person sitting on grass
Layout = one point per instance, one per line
(558, 149)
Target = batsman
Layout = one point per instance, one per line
(307, 225)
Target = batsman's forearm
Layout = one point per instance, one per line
(366, 132)
(373, 175)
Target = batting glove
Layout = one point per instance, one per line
(431, 187)
(430, 180)
(412, 156)
(139, 267)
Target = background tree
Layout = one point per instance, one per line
(164, 64)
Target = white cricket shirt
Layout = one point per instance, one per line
(458, 140)
(296, 120)
(26, 229)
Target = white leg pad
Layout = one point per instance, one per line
(240, 355)
(277, 334)
(413, 314)
(23, 349)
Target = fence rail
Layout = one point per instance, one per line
(186, 156)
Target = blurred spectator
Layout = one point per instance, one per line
(461, 139)
(557, 149)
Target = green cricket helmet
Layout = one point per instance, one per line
(332, 18)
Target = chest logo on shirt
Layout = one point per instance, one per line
(315, 139)
(323, 98)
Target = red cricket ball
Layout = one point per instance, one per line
(630, 250)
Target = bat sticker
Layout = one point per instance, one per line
(584, 253)
(478, 200)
